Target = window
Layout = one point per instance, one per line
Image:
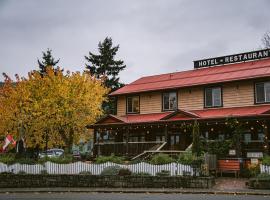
(169, 101)
(262, 92)
(133, 104)
(212, 97)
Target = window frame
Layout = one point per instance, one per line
(255, 92)
(221, 96)
(162, 101)
(127, 112)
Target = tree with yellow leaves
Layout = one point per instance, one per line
(52, 110)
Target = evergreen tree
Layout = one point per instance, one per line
(266, 40)
(47, 60)
(104, 65)
(196, 143)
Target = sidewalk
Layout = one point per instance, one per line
(135, 190)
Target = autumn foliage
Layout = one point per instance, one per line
(57, 107)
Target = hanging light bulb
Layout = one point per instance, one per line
(212, 129)
(252, 128)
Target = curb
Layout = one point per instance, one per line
(56, 190)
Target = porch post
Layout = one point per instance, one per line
(94, 142)
(127, 139)
(166, 133)
(266, 138)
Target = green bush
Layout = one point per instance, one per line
(112, 158)
(59, 160)
(27, 161)
(161, 159)
(266, 160)
(111, 171)
(264, 176)
(85, 173)
(163, 173)
(186, 158)
(220, 148)
(124, 172)
(7, 158)
(141, 174)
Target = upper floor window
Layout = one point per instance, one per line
(212, 97)
(169, 101)
(133, 104)
(262, 91)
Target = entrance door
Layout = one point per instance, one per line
(174, 141)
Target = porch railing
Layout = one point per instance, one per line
(124, 148)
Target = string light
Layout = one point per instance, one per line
(252, 128)
(247, 122)
(212, 129)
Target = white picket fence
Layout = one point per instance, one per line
(95, 169)
(265, 169)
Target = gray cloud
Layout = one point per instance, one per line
(155, 36)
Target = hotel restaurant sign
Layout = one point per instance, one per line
(223, 60)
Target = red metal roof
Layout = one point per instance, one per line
(233, 112)
(181, 115)
(217, 74)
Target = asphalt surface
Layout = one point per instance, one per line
(117, 196)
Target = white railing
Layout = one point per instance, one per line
(265, 169)
(95, 169)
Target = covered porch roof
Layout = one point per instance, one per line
(184, 115)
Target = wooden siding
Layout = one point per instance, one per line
(191, 98)
(235, 94)
(121, 105)
(238, 94)
(150, 102)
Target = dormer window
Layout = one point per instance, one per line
(212, 97)
(262, 92)
(133, 105)
(169, 101)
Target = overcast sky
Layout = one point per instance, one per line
(155, 36)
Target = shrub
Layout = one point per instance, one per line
(85, 173)
(27, 161)
(124, 172)
(112, 158)
(186, 158)
(7, 158)
(264, 176)
(60, 160)
(254, 170)
(111, 171)
(161, 159)
(220, 148)
(266, 160)
(141, 174)
(163, 173)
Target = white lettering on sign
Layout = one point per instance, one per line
(232, 58)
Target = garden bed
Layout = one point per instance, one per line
(47, 180)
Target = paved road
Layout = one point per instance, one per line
(116, 196)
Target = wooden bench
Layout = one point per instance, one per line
(229, 166)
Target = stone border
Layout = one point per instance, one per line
(95, 181)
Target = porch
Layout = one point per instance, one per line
(172, 132)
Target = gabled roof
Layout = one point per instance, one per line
(183, 115)
(217, 74)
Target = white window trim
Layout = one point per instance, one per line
(165, 109)
(132, 104)
(265, 94)
(213, 100)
